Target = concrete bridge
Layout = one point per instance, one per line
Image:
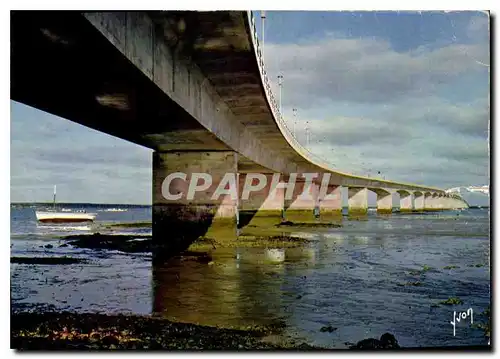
(191, 86)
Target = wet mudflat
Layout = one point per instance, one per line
(331, 289)
(53, 331)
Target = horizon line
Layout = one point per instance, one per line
(92, 203)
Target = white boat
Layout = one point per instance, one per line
(64, 217)
(53, 216)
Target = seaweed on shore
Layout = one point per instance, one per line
(130, 225)
(452, 301)
(142, 243)
(202, 257)
(386, 341)
(328, 328)
(413, 284)
(425, 268)
(124, 243)
(485, 327)
(308, 224)
(129, 244)
(63, 331)
(245, 240)
(46, 260)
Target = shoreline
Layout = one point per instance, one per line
(140, 243)
(89, 331)
(53, 331)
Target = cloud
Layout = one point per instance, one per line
(478, 28)
(439, 151)
(355, 131)
(451, 163)
(470, 119)
(100, 155)
(462, 150)
(367, 70)
(420, 116)
(86, 165)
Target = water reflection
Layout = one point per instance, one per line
(275, 255)
(307, 255)
(357, 239)
(353, 278)
(241, 287)
(44, 228)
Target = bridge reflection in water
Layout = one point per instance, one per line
(243, 287)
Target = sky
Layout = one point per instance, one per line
(398, 95)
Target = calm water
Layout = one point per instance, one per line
(352, 278)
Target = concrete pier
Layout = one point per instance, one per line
(357, 201)
(304, 201)
(455, 202)
(445, 204)
(428, 201)
(384, 201)
(458, 202)
(330, 204)
(451, 202)
(419, 202)
(435, 203)
(405, 201)
(445, 201)
(261, 199)
(178, 220)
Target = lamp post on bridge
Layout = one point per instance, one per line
(263, 18)
(294, 111)
(280, 84)
(307, 134)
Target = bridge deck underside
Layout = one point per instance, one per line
(218, 43)
(64, 65)
(61, 64)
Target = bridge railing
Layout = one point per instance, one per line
(275, 109)
(290, 135)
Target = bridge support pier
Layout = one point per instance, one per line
(457, 203)
(178, 220)
(419, 201)
(445, 202)
(304, 202)
(428, 202)
(405, 202)
(259, 205)
(331, 205)
(450, 203)
(384, 202)
(435, 203)
(357, 201)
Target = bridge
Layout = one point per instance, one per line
(192, 86)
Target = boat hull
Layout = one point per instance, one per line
(64, 217)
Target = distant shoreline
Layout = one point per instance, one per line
(60, 204)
